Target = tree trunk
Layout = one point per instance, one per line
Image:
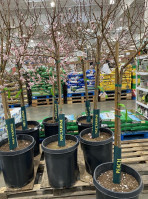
(97, 74)
(4, 100)
(53, 107)
(85, 79)
(117, 100)
(59, 81)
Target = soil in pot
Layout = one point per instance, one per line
(103, 136)
(22, 144)
(30, 126)
(51, 121)
(84, 121)
(54, 145)
(128, 182)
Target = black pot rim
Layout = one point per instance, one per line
(51, 124)
(28, 122)
(85, 131)
(19, 137)
(82, 118)
(117, 194)
(61, 151)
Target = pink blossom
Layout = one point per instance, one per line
(5, 57)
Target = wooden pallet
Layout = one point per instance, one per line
(42, 101)
(79, 99)
(134, 153)
(126, 96)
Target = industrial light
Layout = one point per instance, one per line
(112, 1)
(52, 4)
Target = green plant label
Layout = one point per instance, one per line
(87, 104)
(117, 165)
(96, 123)
(10, 126)
(24, 118)
(61, 131)
(56, 110)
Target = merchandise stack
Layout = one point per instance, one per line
(42, 89)
(15, 113)
(14, 99)
(76, 86)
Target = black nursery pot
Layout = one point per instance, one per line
(96, 153)
(33, 132)
(18, 166)
(52, 128)
(62, 168)
(82, 126)
(104, 193)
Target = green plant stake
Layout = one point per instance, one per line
(96, 123)
(10, 126)
(56, 110)
(87, 104)
(117, 159)
(117, 165)
(61, 130)
(24, 118)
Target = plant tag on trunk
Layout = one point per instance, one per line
(61, 130)
(10, 126)
(56, 110)
(24, 118)
(96, 123)
(117, 165)
(87, 104)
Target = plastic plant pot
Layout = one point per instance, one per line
(82, 126)
(98, 152)
(33, 132)
(103, 193)
(18, 166)
(62, 168)
(52, 128)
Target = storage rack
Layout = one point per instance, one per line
(142, 72)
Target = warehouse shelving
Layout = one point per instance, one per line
(142, 105)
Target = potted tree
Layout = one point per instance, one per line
(60, 150)
(117, 170)
(26, 24)
(14, 150)
(96, 139)
(77, 30)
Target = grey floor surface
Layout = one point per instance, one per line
(38, 113)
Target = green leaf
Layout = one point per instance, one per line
(100, 88)
(126, 115)
(86, 79)
(8, 94)
(18, 94)
(52, 93)
(122, 105)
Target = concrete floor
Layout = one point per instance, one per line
(38, 113)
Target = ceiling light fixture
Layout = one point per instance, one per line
(52, 4)
(112, 2)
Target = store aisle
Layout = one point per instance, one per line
(40, 112)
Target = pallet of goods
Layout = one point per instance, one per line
(76, 87)
(41, 92)
(14, 101)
